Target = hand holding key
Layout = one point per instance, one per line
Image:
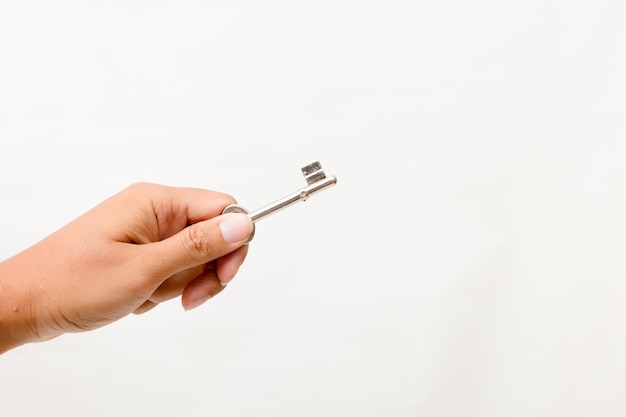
(141, 247)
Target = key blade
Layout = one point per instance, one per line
(300, 195)
(313, 173)
(317, 186)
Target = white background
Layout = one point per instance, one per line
(470, 261)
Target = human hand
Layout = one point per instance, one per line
(143, 246)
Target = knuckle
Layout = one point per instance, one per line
(139, 187)
(198, 244)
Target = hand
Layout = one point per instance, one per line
(143, 246)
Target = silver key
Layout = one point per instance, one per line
(316, 181)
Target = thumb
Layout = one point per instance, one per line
(200, 243)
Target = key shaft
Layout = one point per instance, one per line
(300, 195)
(316, 181)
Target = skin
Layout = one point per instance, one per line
(146, 245)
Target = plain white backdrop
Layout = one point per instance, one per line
(470, 261)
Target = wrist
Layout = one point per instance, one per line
(16, 318)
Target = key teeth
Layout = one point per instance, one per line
(313, 172)
(312, 167)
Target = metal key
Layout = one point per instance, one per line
(316, 181)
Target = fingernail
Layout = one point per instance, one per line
(197, 302)
(236, 227)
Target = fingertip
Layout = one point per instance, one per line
(200, 290)
(236, 228)
(196, 303)
(228, 265)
